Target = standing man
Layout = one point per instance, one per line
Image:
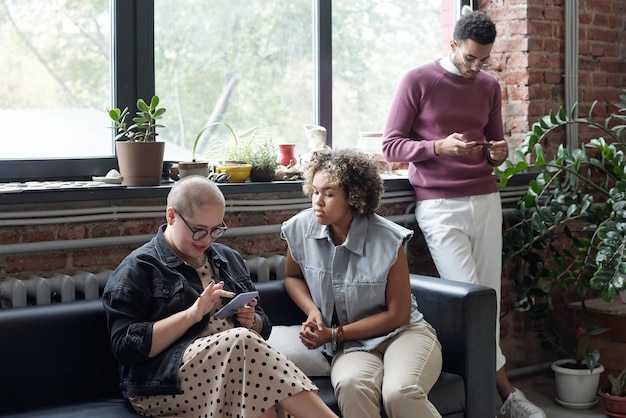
(445, 119)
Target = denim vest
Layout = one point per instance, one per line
(351, 277)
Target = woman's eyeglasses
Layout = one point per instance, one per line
(471, 63)
(198, 234)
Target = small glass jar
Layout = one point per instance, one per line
(371, 143)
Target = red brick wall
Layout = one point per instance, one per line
(23, 265)
(529, 60)
(529, 57)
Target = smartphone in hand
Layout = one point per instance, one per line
(484, 145)
(238, 301)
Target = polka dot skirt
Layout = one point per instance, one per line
(228, 372)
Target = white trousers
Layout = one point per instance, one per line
(464, 237)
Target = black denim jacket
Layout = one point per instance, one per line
(153, 283)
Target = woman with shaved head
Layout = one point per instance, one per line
(176, 358)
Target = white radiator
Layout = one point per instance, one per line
(37, 290)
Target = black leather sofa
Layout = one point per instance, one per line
(55, 359)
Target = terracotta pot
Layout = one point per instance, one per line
(614, 406)
(576, 388)
(140, 163)
(195, 168)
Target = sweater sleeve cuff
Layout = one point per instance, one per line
(494, 162)
(431, 149)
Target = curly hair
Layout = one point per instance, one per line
(476, 26)
(350, 170)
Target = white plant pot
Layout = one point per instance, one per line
(576, 388)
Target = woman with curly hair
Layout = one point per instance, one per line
(346, 269)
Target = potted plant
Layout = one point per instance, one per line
(139, 155)
(195, 167)
(264, 162)
(251, 150)
(577, 375)
(613, 395)
(571, 231)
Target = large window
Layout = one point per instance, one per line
(271, 65)
(374, 43)
(249, 64)
(56, 85)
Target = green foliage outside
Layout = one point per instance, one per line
(241, 62)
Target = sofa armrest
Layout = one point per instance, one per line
(55, 354)
(464, 316)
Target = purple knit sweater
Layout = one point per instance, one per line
(431, 103)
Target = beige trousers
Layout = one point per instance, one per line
(400, 372)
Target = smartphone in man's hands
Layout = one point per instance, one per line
(484, 145)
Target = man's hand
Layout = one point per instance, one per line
(499, 151)
(456, 145)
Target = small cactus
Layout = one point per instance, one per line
(616, 386)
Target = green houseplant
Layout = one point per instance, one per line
(262, 157)
(257, 151)
(577, 376)
(144, 124)
(139, 155)
(242, 154)
(571, 230)
(196, 167)
(573, 220)
(614, 395)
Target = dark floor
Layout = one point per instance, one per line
(539, 388)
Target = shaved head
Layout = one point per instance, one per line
(193, 192)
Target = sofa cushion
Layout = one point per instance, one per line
(286, 339)
(448, 394)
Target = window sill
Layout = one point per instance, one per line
(114, 192)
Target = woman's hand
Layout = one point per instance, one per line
(207, 300)
(168, 330)
(313, 333)
(246, 314)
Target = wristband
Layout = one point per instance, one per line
(340, 336)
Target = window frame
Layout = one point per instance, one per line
(133, 76)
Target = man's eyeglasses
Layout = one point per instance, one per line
(471, 63)
(198, 234)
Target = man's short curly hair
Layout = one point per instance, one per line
(476, 26)
(350, 170)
